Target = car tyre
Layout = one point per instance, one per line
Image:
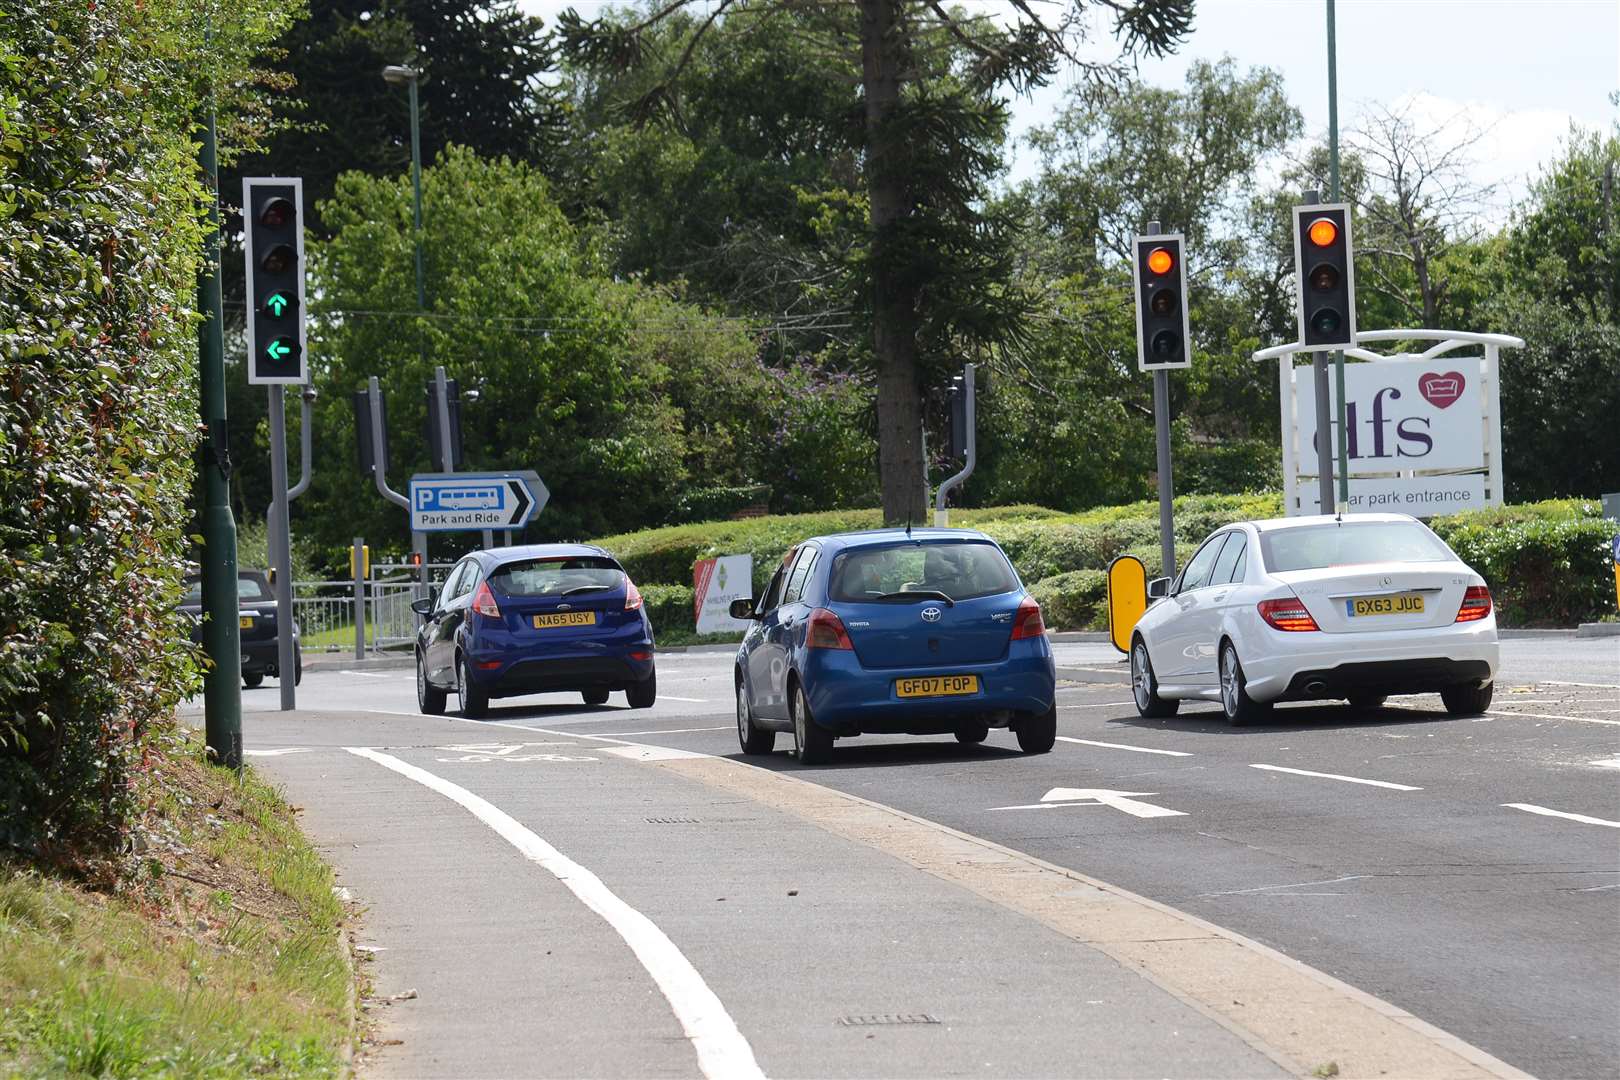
(1239, 707)
(253, 679)
(1037, 734)
(429, 698)
(972, 734)
(474, 702)
(298, 666)
(641, 695)
(812, 743)
(1468, 700)
(1145, 685)
(594, 697)
(1368, 702)
(752, 739)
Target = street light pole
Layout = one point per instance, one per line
(1333, 196)
(416, 187)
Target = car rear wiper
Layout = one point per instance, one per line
(584, 588)
(917, 594)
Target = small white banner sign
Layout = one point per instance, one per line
(1420, 496)
(715, 584)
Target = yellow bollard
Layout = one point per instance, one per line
(1127, 599)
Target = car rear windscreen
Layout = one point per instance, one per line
(247, 588)
(1316, 547)
(556, 576)
(960, 569)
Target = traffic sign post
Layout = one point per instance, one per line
(1163, 341)
(473, 502)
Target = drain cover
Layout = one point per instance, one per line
(880, 1019)
(673, 821)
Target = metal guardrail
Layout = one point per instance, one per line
(325, 610)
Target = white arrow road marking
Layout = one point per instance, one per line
(1060, 797)
(1582, 818)
(1612, 763)
(1336, 776)
(1122, 746)
(721, 1049)
(277, 752)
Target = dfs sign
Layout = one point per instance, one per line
(1423, 438)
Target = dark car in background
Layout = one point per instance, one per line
(537, 619)
(257, 614)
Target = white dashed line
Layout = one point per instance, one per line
(668, 731)
(1552, 716)
(1122, 746)
(1582, 818)
(1336, 776)
(721, 1049)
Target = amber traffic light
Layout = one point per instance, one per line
(1161, 303)
(1324, 272)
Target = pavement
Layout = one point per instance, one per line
(574, 890)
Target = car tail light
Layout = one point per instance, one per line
(1476, 604)
(632, 595)
(826, 631)
(483, 602)
(642, 655)
(1028, 622)
(487, 665)
(1289, 614)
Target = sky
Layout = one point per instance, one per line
(1521, 70)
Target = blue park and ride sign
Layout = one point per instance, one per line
(457, 502)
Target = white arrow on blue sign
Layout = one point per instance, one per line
(455, 502)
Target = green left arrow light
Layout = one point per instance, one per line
(277, 304)
(281, 349)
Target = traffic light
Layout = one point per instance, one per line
(1325, 267)
(1162, 339)
(362, 430)
(431, 432)
(956, 441)
(273, 231)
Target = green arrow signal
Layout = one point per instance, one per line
(276, 304)
(278, 349)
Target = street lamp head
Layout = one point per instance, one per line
(400, 75)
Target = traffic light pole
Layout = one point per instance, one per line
(221, 630)
(1333, 196)
(942, 515)
(281, 549)
(1167, 490)
(1324, 426)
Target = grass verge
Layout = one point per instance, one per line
(216, 953)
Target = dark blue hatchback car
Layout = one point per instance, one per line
(923, 632)
(537, 619)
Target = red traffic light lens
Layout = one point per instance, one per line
(1160, 261)
(1163, 302)
(276, 213)
(1325, 278)
(1323, 232)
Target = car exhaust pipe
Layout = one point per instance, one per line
(1315, 688)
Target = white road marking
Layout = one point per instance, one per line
(1589, 685)
(370, 675)
(1600, 888)
(1122, 746)
(652, 753)
(277, 752)
(1612, 763)
(1551, 716)
(722, 1051)
(1098, 704)
(1582, 818)
(671, 731)
(1336, 776)
(1299, 885)
(1119, 800)
(692, 700)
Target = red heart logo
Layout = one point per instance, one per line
(1441, 389)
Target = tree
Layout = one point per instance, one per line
(934, 269)
(1419, 202)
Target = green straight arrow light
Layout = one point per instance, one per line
(276, 304)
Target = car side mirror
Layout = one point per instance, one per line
(742, 608)
(1158, 588)
(424, 606)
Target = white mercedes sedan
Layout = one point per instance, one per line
(1356, 607)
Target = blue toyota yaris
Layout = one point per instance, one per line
(529, 620)
(921, 632)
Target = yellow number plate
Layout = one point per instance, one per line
(565, 618)
(1399, 604)
(937, 685)
(246, 622)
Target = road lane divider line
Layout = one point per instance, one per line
(1588, 685)
(1337, 776)
(1122, 746)
(1551, 716)
(1294, 1014)
(722, 1051)
(688, 700)
(1531, 808)
(675, 731)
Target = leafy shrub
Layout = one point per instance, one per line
(669, 607)
(704, 504)
(1075, 600)
(1547, 564)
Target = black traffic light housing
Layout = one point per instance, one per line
(368, 455)
(273, 238)
(956, 435)
(1162, 339)
(1325, 269)
(431, 431)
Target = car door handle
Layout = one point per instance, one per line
(1218, 597)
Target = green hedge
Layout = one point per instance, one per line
(1547, 563)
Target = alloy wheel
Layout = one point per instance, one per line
(1229, 680)
(1141, 677)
